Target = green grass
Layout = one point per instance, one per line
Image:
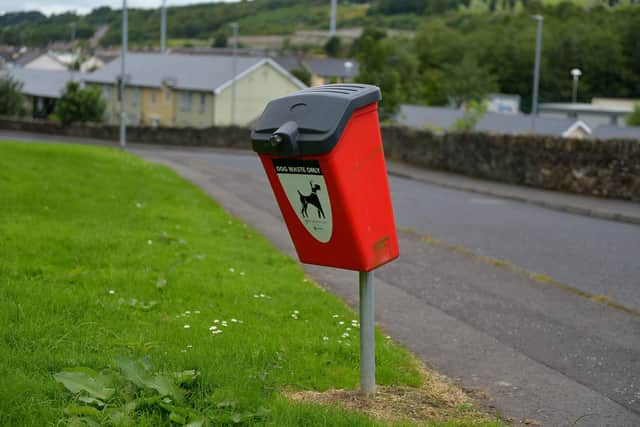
(102, 255)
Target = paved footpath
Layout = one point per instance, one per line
(535, 351)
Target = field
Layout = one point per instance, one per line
(128, 286)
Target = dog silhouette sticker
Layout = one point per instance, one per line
(312, 199)
(306, 189)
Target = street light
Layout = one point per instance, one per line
(536, 71)
(234, 26)
(348, 65)
(123, 53)
(575, 73)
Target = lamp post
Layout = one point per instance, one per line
(575, 73)
(332, 22)
(536, 71)
(123, 54)
(163, 27)
(234, 64)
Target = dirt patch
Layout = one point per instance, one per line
(436, 400)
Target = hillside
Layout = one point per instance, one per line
(260, 17)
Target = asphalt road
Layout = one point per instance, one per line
(594, 255)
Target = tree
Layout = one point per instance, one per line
(633, 119)
(389, 64)
(332, 46)
(467, 81)
(80, 105)
(220, 39)
(303, 75)
(11, 98)
(474, 111)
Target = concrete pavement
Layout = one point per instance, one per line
(537, 351)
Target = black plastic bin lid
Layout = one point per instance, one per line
(310, 122)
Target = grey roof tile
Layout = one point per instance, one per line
(46, 83)
(617, 132)
(188, 72)
(331, 67)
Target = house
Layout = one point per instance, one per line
(523, 124)
(503, 103)
(616, 132)
(442, 119)
(435, 119)
(42, 88)
(331, 70)
(95, 62)
(192, 90)
(593, 114)
(40, 60)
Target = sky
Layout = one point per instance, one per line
(84, 6)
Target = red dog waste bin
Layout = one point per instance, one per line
(322, 152)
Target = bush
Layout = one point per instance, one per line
(11, 98)
(80, 105)
(633, 119)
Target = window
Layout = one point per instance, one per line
(106, 92)
(185, 101)
(203, 105)
(135, 96)
(153, 96)
(167, 94)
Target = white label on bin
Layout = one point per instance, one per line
(306, 189)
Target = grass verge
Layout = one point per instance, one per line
(120, 280)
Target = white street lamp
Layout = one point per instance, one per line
(348, 66)
(575, 73)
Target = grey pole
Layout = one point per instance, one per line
(332, 23)
(367, 337)
(234, 63)
(73, 32)
(163, 27)
(536, 72)
(123, 54)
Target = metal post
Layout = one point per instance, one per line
(332, 23)
(163, 27)
(123, 54)
(536, 72)
(73, 32)
(234, 66)
(367, 337)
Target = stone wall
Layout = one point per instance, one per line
(600, 168)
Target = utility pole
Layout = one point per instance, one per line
(234, 64)
(163, 27)
(536, 72)
(73, 32)
(332, 24)
(123, 54)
